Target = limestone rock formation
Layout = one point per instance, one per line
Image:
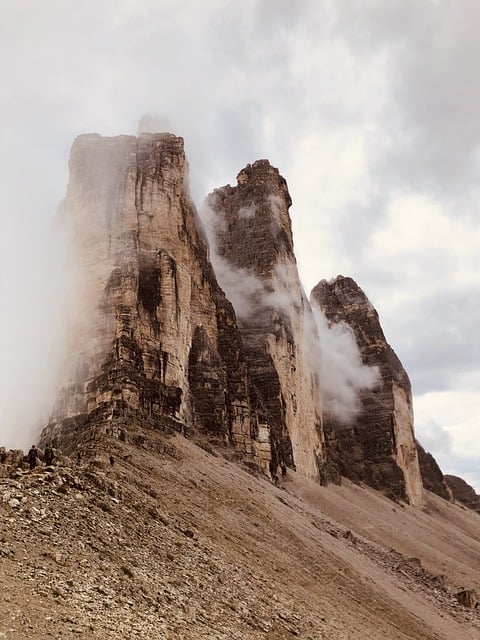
(462, 492)
(252, 252)
(432, 476)
(155, 341)
(378, 447)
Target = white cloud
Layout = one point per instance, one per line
(341, 370)
(419, 231)
(447, 424)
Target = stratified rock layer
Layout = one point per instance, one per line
(463, 492)
(378, 447)
(155, 341)
(253, 257)
(432, 475)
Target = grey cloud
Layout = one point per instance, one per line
(434, 438)
(281, 15)
(445, 341)
(431, 115)
(461, 466)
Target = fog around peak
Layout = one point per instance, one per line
(379, 149)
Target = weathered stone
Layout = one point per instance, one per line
(463, 492)
(378, 446)
(432, 476)
(468, 598)
(253, 246)
(155, 340)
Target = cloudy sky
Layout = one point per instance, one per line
(371, 111)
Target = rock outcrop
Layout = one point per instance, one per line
(155, 342)
(378, 446)
(462, 492)
(432, 476)
(252, 251)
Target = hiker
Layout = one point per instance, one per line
(32, 457)
(48, 455)
(112, 460)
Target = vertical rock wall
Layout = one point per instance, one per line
(254, 261)
(378, 447)
(432, 476)
(153, 340)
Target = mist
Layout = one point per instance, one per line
(33, 331)
(341, 370)
(330, 348)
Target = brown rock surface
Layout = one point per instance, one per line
(462, 492)
(378, 446)
(432, 476)
(252, 241)
(154, 340)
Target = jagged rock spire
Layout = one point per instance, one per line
(379, 446)
(252, 241)
(155, 341)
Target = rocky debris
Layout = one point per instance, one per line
(11, 461)
(468, 598)
(432, 475)
(378, 446)
(410, 572)
(407, 571)
(124, 569)
(462, 492)
(161, 544)
(252, 251)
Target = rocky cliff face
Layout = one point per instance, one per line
(432, 476)
(155, 341)
(378, 446)
(463, 492)
(252, 243)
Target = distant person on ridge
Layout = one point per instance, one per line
(32, 457)
(48, 455)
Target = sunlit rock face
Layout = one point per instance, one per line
(378, 445)
(154, 340)
(252, 252)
